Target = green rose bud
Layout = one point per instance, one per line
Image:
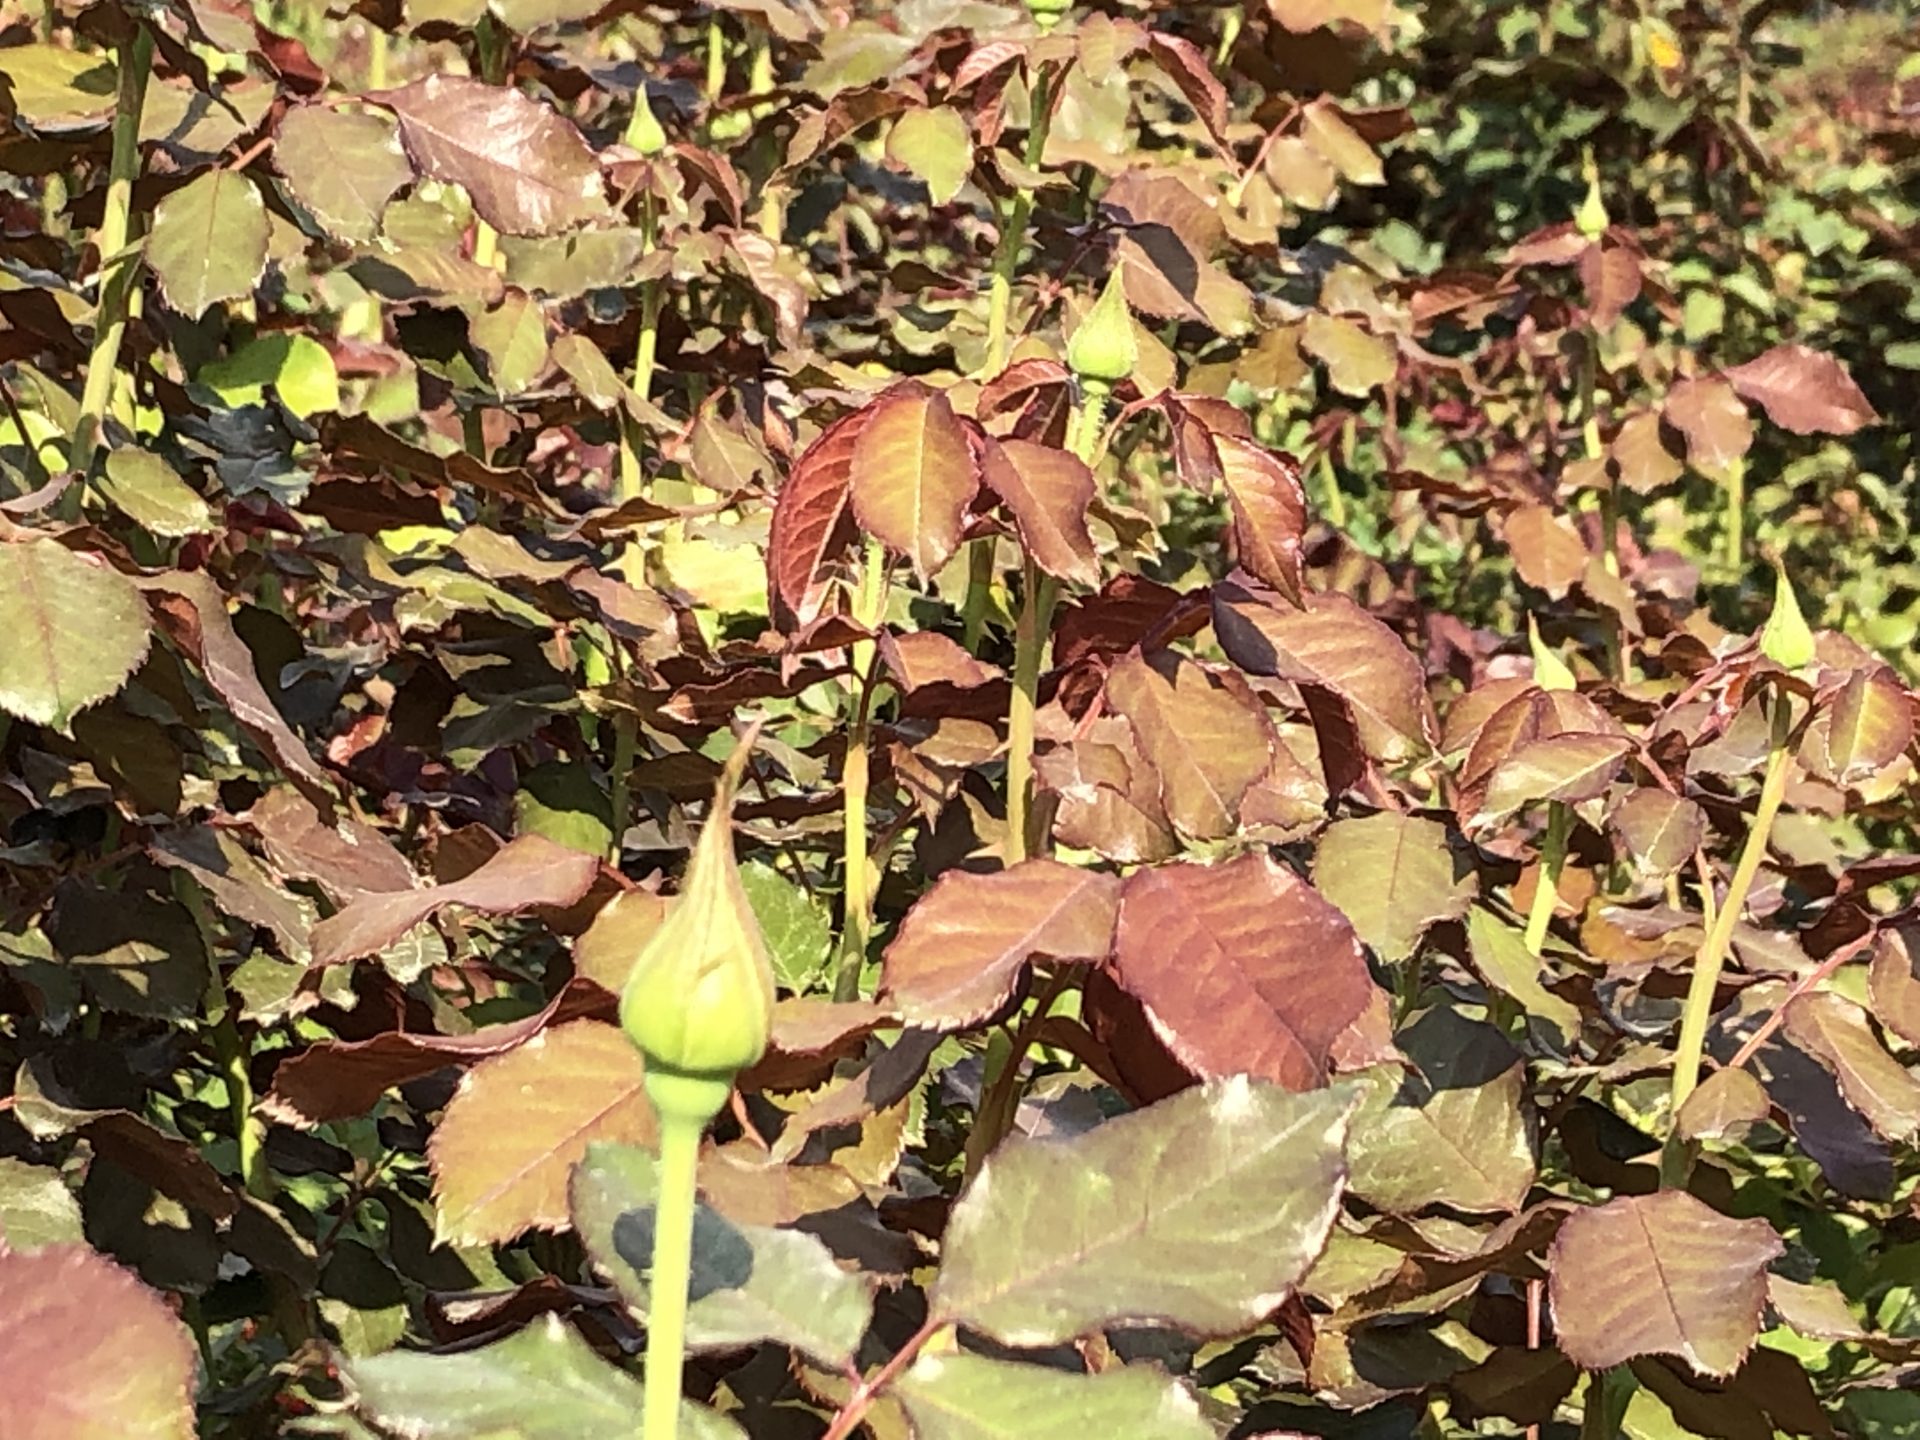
(643, 131)
(1591, 218)
(1103, 349)
(1550, 672)
(1786, 641)
(699, 1003)
(1048, 13)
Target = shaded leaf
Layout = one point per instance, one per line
(1726, 1104)
(792, 1291)
(1835, 1032)
(527, 872)
(209, 241)
(961, 949)
(1182, 1248)
(1659, 1274)
(89, 1353)
(521, 1121)
(1660, 830)
(812, 523)
(1803, 390)
(1243, 967)
(75, 631)
(970, 1397)
(527, 169)
(541, 1383)
(1500, 954)
(1208, 741)
(912, 475)
(1269, 511)
(1393, 877)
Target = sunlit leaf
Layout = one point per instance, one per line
(1357, 362)
(812, 523)
(519, 1123)
(342, 165)
(1803, 390)
(958, 954)
(1869, 726)
(912, 475)
(1500, 954)
(1835, 1032)
(209, 241)
(935, 145)
(1048, 491)
(37, 1209)
(1208, 740)
(1661, 831)
(541, 1383)
(970, 1397)
(1393, 876)
(769, 1284)
(75, 630)
(1659, 1274)
(1152, 1206)
(1712, 417)
(89, 1353)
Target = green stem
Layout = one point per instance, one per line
(119, 265)
(249, 1131)
(868, 607)
(1553, 859)
(625, 731)
(1336, 503)
(1719, 941)
(1013, 230)
(672, 1267)
(973, 610)
(377, 52)
(1736, 511)
(645, 356)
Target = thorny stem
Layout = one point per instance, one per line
(119, 266)
(1713, 952)
(1013, 230)
(1553, 859)
(672, 1267)
(869, 605)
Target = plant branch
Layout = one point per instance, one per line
(868, 1389)
(857, 927)
(672, 1267)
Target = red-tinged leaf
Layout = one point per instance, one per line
(529, 171)
(1243, 967)
(339, 1079)
(1869, 726)
(521, 1121)
(1209, 740)
(1660, 1274)
(89, 1353)
(913, 475)
(1049, 492)
(1568, 768)
(1335, 644)
(1024, 385)
(1715, 422)
(1269, 511)
(1660, 831)
(1611, 274)
(983, 60)
(1547, 551)
(530, 872)
(1128, 611)
(960, 952)
(812, 523)
(1835, 1032)
(1393, 876)
(920, 658)
(194, 613)
(1893, 982)
(1803, 390)
(1641, 456)
(1109, 797)
(1187, 67)
(346, 858)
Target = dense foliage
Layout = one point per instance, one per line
(1329, 596)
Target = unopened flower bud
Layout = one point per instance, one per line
(1048, 13)
(1591, 218)
(643, 130)
(699, 1003)
(1786, 641)
(1103, 349)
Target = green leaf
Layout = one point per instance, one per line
(298, 367)
(935, 145)
(969, 1397)
(209, 241)
(36, 1207)
(562, 801)
(1357, 362)
(147, 490)
(1145, 1218)
(513, 336)
(792, 1291)
(798, 930)
(74, 632)
(55, 87)
(541, 1383)
(1501, 956)
(1393, 876)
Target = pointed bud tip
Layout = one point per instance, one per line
(1786, 640)
(1103, 348)
(1550, 672)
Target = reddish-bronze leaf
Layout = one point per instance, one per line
(1611, 274)
(1049, 492)
(913, 475)
(1660, 1274)
(529, 171)
(1803, 390)
(1660, 831)
(529, 872)
(1335, 644)
(521, 1121)
(338, 1079)
(812, 526)
(1243, 967)
(1109, 797)
(1547, 551)
(1715, 422)
(1187, 67)
(1208, 739)
(1269, 511)
(89, 1353)
(1869, 726)
(1642, 458)
(959, 953)
(1567, 768)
